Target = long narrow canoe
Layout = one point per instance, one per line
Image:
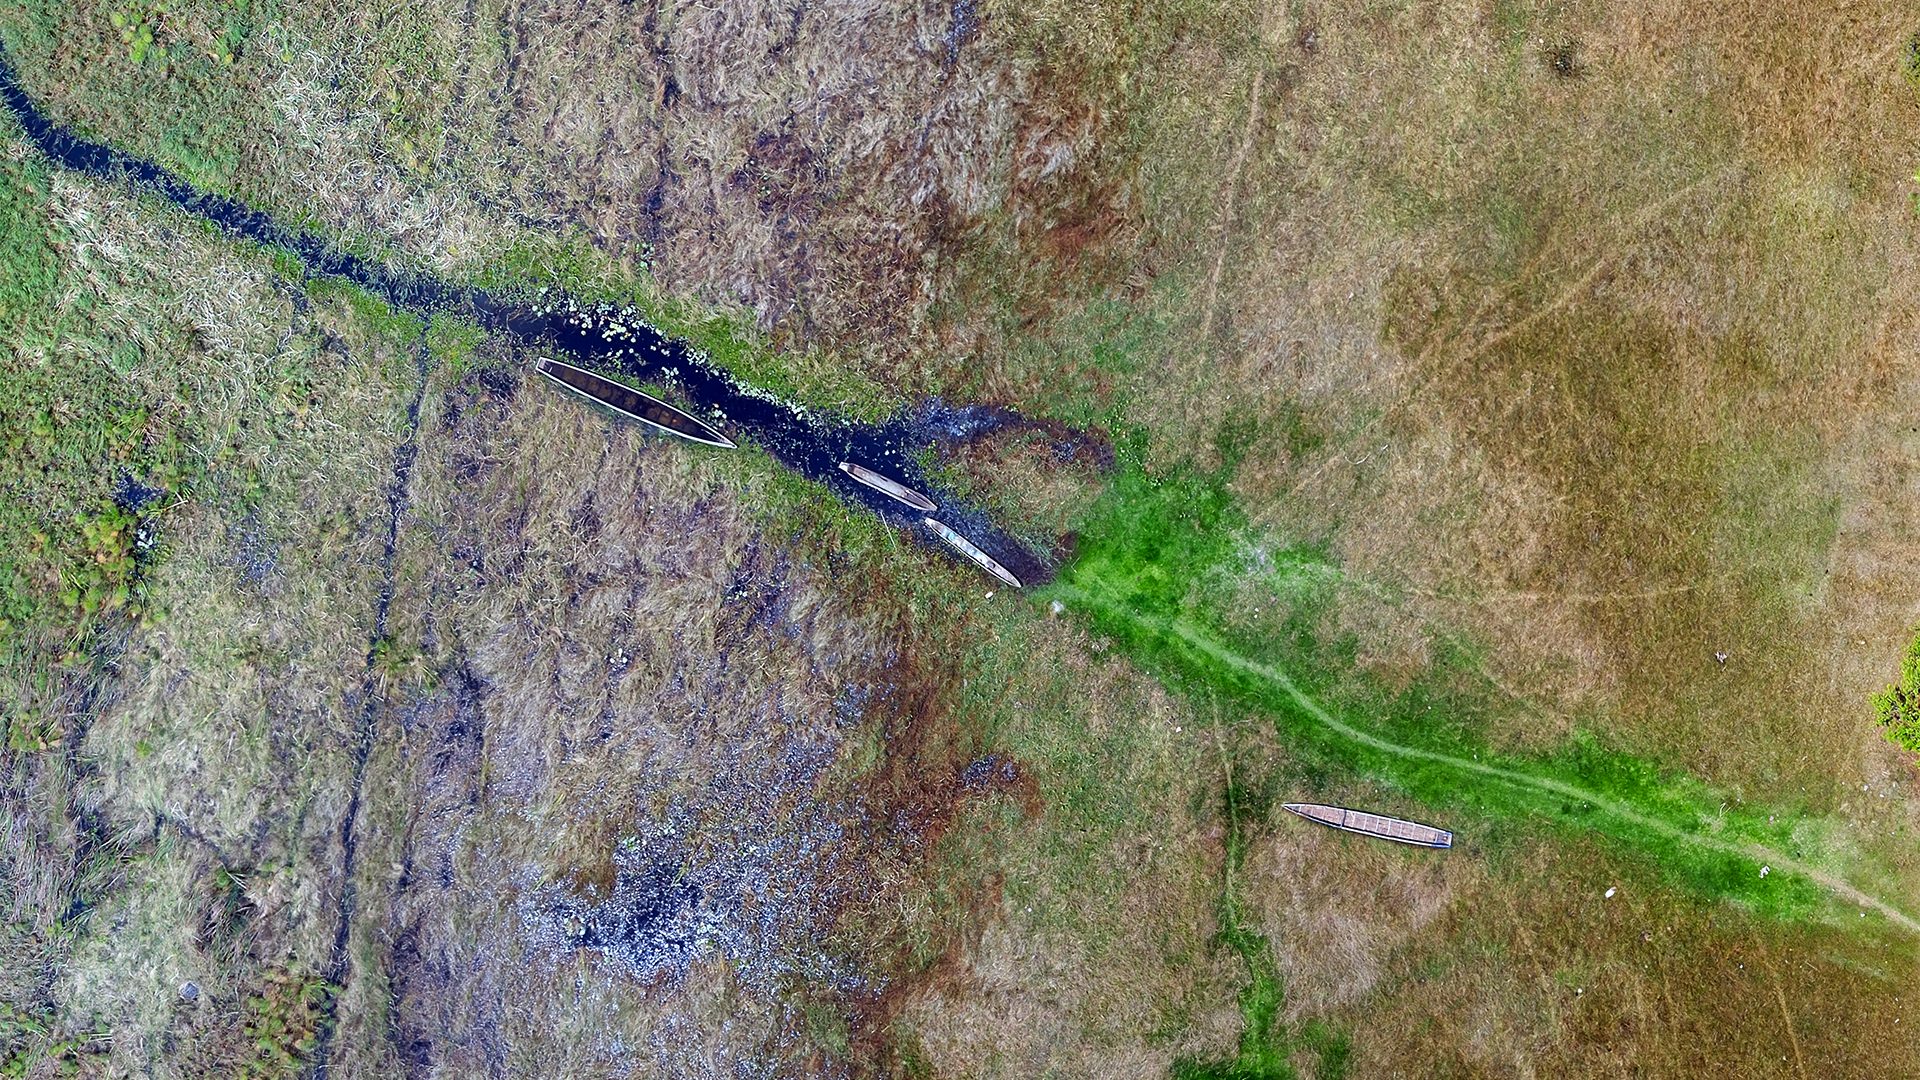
(629, 402)
(965, 547)
(892, 489)
(1386, 828)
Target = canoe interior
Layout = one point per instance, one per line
(892, 489)
(966, 547)
(625, 399)
(1378, 825)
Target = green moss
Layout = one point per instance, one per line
(28, 272)
(454, 343)
(374, 312)
(66, 551)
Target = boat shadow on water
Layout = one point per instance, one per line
(874, 466)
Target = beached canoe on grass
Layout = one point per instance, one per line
(892, 489)
(629, 402)
(1386, 828)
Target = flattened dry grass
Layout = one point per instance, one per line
(592, 638)
(1581, 372)
(1095, 954)
(1532, 318)
(173, 825)
(1558, 978)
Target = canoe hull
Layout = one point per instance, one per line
(966, 547)
(633, 404)
(892, 489)
(1379, 826)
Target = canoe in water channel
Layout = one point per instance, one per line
(892, 489)
(966, 547)
(627, 401)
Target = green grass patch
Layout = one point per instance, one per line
(1263, 1050)
(455, 343)
(66, 548)
(173, 80)
(1164, 571)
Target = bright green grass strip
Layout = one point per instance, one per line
(1159, 562)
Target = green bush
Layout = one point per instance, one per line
(1898, 706)
(283, 1022)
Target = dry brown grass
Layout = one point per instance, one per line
(1600, 372)
(1096, 958)
(1555, 442)
(1557, 979)
(1610, 372)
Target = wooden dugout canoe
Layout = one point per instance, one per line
(965, 547)
(629, 402)
(892, 489)
(1386, 828)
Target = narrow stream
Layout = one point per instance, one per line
(596, 337)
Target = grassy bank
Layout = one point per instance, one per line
(1168, 572)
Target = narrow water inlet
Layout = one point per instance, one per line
(615, 341)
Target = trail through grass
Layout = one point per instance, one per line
(1624, 813)
(1167, 571)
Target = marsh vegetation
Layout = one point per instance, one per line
(1466, 404)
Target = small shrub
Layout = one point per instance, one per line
(99, 573)
(283, 1022)
(1898, 706)
(138, 25)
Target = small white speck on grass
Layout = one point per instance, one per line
(1610, 891)
(1057, 607)
(1765, 870)
(1176, 727)
(989, 594)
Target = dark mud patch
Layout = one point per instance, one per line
(412, 1040)
(963, 25)
(1036, 476)
(673, 904)
(134, 496)
(446, 735)
(950, 428)
(486, 393)
(782, 867)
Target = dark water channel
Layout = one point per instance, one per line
(598, 337)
